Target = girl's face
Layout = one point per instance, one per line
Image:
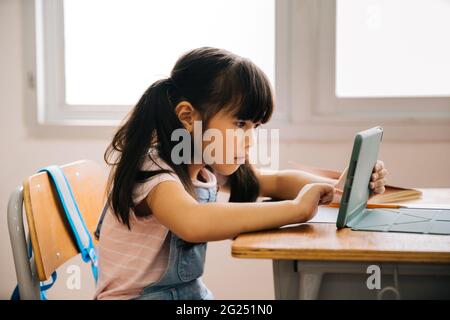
(237, 136)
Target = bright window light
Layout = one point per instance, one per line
(393, 48)
(114, 49)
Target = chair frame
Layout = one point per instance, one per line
(27, 279)
(32, 271)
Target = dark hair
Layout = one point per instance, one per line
(210, 79)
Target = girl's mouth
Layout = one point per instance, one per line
(241, 158)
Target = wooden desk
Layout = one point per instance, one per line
(305, 255)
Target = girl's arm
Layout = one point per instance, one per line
(202, 222)
(286, 184)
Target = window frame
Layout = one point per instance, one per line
(306, 107)
(44, 40)
(315, 113)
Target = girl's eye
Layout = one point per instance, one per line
(257, 125)
(240, 124)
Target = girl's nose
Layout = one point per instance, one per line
(251, 138)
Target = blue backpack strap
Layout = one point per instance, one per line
(83, 238)
(76, 222)
(43, 286)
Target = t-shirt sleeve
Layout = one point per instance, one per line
(141, 190)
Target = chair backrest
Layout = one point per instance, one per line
(50, 233)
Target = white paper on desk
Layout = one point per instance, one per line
(325, 214)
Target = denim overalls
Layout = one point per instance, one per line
(181, 279)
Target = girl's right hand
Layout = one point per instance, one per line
(311, 196)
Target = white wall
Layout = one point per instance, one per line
(24, 149)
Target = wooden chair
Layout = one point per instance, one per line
(49, 232)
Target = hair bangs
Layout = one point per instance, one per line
(247, 92)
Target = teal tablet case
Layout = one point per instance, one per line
(352, 210)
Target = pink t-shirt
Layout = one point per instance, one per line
(130, 260)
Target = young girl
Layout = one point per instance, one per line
(160, 215)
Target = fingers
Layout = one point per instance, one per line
(377, 184)
(379, 175)
(338, 190)
(328, 196)
(378, 178)
(327, 200)
(379, 165)
(379, 190)
(379, 171)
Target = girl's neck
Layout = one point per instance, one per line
(194, 169)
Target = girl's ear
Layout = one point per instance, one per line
(187, 114)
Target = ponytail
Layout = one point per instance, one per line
(212, 80)
(152, 117)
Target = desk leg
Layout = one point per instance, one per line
(286, 280)
(292, 284)
(309, 285)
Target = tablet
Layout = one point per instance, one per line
(356, 190)
(353, 212)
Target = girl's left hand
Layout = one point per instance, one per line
(377, 179)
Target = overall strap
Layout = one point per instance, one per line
(100, 220)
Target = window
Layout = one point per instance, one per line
(392, 48)
(330, 41)
(95, 58)
(337, 66)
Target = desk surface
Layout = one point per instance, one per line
(322, 241)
